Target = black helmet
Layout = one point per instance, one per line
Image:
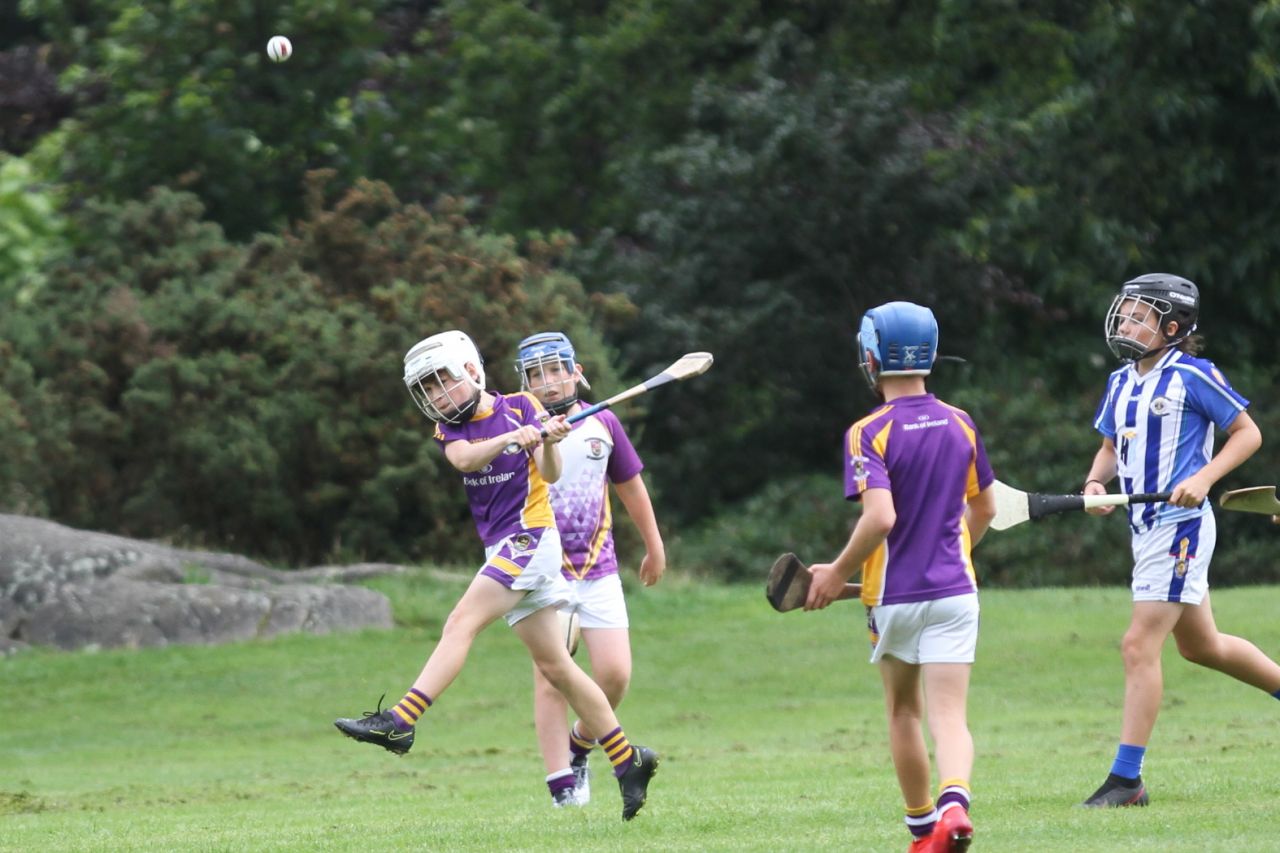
(1172, 298)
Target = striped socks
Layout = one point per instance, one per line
(579, 747)
(618, 748)
(405, 714)
(921, 819)
(954, 792)
(559, 782)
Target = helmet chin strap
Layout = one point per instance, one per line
(561, 406)
(466, 410)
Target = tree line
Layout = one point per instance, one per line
(211, 265)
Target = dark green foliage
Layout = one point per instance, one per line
(250, 397)
(744, 178)
(184, 95)
(801, 201)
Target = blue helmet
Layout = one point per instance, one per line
(897, 339)
(538, 351)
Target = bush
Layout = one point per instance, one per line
(250, 397)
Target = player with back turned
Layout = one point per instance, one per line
(919, 467)
(1157, 418)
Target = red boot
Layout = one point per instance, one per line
(922, 845)
(953, 833)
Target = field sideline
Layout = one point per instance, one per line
(770, 726)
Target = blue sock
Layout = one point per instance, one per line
(1276, 694)
(1128, 763)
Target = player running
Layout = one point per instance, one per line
(1157, 419)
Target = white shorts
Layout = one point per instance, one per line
(528, 561)
(941, 631)
(1171, 563)
(598, 603)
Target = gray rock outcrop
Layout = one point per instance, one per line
(74, 589)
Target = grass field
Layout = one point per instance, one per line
(770, 727)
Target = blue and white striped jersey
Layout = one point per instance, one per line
(1162, 426)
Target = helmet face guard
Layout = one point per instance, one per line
(1150, 302)
(547, 363)
(435, 367)
(897, 339)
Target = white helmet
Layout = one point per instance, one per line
(440, 358)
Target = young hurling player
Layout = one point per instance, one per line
(1157, 419)
(920, 469)
(520, 578)
(596, 453)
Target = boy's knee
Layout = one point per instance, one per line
(614, 687)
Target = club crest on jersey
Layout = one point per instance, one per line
(860, 470)
(595, 449)
(1160, 406)
(521, 542)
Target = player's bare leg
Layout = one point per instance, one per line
(1149, 625)
(946, 688)
(1200, 642)
(393, 728)
(610, 652)
(904, 704)
(904, 707)
(484, 602)
(633, 766)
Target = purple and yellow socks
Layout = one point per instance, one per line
(579, 747)
(953, 792)
(405, 714)
(921, 819)
(618, 748)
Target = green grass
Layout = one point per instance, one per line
(770, 726)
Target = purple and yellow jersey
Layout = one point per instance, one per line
(1162, 426)
(930, 456)
(596, 453)
(507, 495)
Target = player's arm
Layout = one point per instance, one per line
(979, 513)
(1243, 440)
(1100, 473)
(635, 497)
(878, 518)
(468, 457)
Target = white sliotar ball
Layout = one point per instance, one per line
(279, 49)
